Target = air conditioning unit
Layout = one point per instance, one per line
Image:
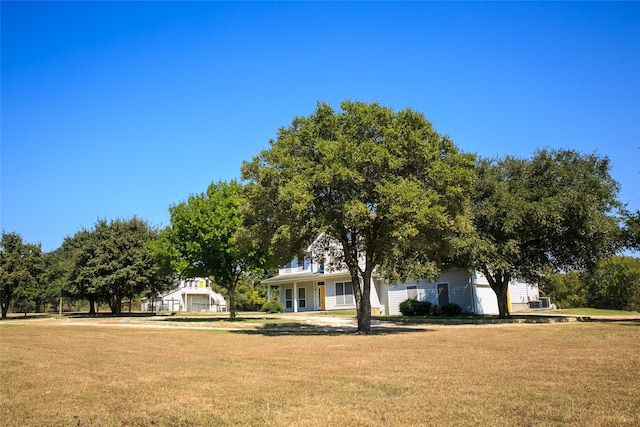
(545, 302)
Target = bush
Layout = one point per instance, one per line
(422, 308)
(451, 309)
(411, 307)
(273, 307)
(408, 308)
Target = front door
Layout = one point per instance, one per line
(321, 295)
(443, 294)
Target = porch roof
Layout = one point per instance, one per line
(300, 277)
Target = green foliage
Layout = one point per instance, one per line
(250, 295)
(566, 290)
(411, 307)
(615, 284)
(273, 307)
(207, 239)
(556, 210)
(450, 309)
(633, 229)
(407, 307)
(422, 308)
(21, 273)
(383, 184)
(111, 262)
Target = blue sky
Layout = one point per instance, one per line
(114, 109)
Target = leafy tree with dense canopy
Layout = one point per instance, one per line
(111, 262)
(21, 268)
(207, 239)
(633, 228)
(385, 185)
(614, 283)
(566, 290)
(554, 211)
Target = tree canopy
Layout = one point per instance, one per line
(557, 210)
(21, 269)
(111, 262)
(207, 238)
(385, 185)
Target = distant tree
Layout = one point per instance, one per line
(250, 294)
(30, 295)
(556, 210)
(207, 239)
(111, 262)
(566, 290)
(20, 270)
(383, 184)
(55, 276)
(615, 283)
(633, 228)
(82, 277)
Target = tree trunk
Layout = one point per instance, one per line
(362, 294)
(92, 306)
(116, 305)
(232, 301)
(499, 282)
(5, 308)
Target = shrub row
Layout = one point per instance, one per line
(411, 307)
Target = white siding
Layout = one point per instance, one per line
(460, 291)
(460, 288)
(522, 292)
(486, 300)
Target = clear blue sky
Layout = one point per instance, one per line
(114, 109)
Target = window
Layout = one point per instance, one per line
(288, 298)
(302, 297)
(412, 292)
(344, 293)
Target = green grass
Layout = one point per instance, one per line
(594, 312)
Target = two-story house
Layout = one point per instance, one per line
(305, 284)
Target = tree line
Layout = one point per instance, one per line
(403, 201)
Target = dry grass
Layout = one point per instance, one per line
(55, 374)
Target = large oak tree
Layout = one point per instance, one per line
(385, 185)
(555, 211)
(111, 262)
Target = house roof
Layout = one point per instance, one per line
(302, 277)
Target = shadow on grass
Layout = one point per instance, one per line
(106, 315)
(188, 319)
(298, 329)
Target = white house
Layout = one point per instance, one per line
(188, 295)
(305, 285)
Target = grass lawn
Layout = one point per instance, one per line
(595, 312)
(54, 373)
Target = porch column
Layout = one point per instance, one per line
(268, 292)
(295, 297)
